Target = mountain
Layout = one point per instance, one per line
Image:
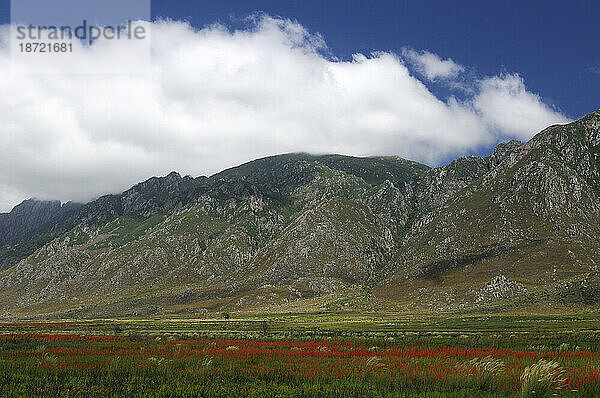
(29, 220)
(529, 225)
(517, 229)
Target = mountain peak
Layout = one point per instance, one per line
(32, 216)
(33, 203)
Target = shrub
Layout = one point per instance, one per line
(374, 363)
(542, 379)
(485, 368)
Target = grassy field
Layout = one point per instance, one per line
(345, 355)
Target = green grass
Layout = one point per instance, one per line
(187, 358)
(126, 229)
(149, 383)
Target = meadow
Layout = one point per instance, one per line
(302, 355)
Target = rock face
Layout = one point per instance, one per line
(500, 287)
(31, 219)
(517, 228)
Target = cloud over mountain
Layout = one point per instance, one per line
(215, 97)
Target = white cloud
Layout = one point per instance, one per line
(214, 98)
(431, 66)
(507, 107)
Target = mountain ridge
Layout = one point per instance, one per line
(516, 228)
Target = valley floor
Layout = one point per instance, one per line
(331, 355)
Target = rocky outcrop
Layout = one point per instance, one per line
(31, 218)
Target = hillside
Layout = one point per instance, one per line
(27, 221)
(517, 229)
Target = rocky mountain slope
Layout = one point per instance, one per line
(28, 220)
(297, 232)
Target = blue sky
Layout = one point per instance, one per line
(428, 81)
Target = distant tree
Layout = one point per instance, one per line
(118, 329)
(265, 327)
